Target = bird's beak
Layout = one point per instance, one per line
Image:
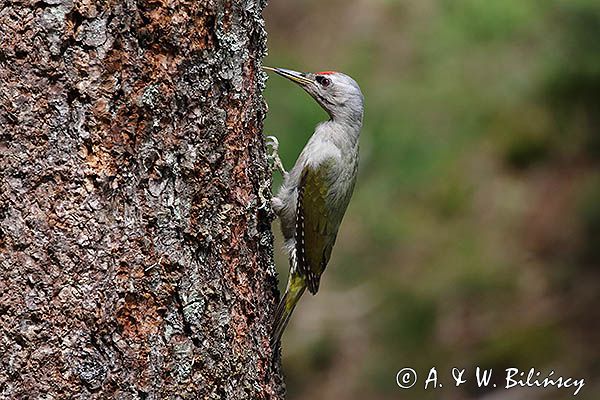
(294, 76)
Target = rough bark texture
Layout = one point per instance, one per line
(135, 241)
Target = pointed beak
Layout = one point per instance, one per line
(294, 76)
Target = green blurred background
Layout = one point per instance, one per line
(473, 237)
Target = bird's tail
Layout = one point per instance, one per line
(294, 290)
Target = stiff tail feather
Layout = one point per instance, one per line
(293, 292)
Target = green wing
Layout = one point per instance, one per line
(315, 230)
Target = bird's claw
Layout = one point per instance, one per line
(273, 143)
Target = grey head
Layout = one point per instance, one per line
(336, 92)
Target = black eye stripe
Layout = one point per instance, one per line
(323, 81)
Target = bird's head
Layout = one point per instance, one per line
(336, 92)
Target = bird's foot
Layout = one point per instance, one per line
(273, 143)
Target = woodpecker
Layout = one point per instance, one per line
(314, 195)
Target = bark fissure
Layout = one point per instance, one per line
(135, 241)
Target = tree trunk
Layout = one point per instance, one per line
(135, 240)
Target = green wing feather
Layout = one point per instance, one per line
(315, 232)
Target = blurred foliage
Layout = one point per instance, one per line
(473, 237)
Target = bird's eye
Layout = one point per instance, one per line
(323, 81)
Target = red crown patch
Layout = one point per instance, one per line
(325, 72)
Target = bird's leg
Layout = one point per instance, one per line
(277, 206)
(273, 143)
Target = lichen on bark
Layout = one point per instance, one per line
(135, 241)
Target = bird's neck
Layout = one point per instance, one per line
(344, 132)
(350, 122)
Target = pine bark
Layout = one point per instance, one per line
(135, 240)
